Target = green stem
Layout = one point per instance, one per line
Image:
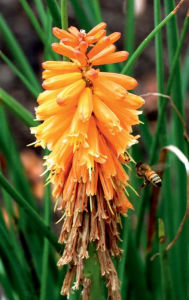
(159, 53)
(92, 271)
(129, 39)
(143, 45)
(64, 19)
(36, 219)
(64, 14)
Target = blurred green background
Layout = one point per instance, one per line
(160, 63)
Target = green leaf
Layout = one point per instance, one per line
(26, 82)
(55, 12)
(17, 109)
(18, 54)
(37, 220)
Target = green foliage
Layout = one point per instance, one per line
(28, 246)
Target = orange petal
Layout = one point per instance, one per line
(108, 166)
(71, 92)
(64, 66)
(74, 31)
(121, 174)
(104, 42)
(85, 104)
(112, 58)
(107, 88)
(119, 142)
(92, 74)
(50, 108)
(103, 53)
(122, 202)
(114, 37)
(105, 115)
(81, 57)
(93, 141)
(134, 101)
(97, 28)
(83, 46)
(78, 131)
(51, 73)
(61, 33)
(64, 50)
(91, 188)
(127, 82)
(62, 80)
(69, 42)
(47, 95)
(99, 35)
(52, 129)
(60, 154)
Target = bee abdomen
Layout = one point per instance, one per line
(155, 179)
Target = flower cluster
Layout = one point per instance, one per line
(87, 125)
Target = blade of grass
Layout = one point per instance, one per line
(6, 287)
(46, 246)
(121, 270)
(37, 220)
(161, 113)
(97, 11)
(55, 12)
(129, 39)
(33, 20)
(164, 103)
(36, 26)
(152, 280)
(180, 253)
(185, 73)
(81, 16)
(18, 53)
(136, 269)
(9, 257)
(11, 154)
(18, 177)
(17, 109)
(146, 41)
(19, 74)
(167, 286)
(41, 12)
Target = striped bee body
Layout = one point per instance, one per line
(153, 177)
(150, 176)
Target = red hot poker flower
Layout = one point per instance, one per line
(87, 125)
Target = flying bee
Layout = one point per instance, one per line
(149, 175)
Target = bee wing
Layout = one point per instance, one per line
(160, 167)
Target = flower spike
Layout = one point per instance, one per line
(87, 118)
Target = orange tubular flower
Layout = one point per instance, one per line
(87, 125)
